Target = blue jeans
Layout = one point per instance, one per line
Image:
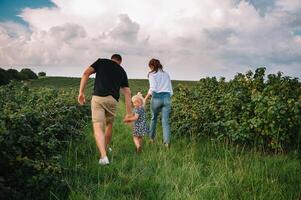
(160, 102)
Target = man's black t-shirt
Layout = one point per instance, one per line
(110, 77)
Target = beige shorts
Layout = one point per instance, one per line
(103, 109)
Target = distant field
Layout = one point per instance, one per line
(73, 83)
(58, 82)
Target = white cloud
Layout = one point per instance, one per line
(289, 5)
(125, 30)
(192, 38)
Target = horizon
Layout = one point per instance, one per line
(134, 78)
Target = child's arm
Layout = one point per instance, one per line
(131, 118)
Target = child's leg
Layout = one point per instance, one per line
(140, 141)
(136, 141)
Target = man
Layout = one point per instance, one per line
(109, 81)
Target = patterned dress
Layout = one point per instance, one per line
(140, 125)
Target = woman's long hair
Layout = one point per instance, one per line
(155, 66)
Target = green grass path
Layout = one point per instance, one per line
(189, 170)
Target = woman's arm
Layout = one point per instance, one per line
(170, 85)
(152, 86)
(146, 97)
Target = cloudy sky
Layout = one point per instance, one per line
(192, 38)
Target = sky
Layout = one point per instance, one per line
(192, 38)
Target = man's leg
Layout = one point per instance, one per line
(110, 105)
(100, 138)
(108, 136)
(98, 119)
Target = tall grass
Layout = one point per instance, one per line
(190, 169)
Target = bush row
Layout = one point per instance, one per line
(35, 126)
(249, 109)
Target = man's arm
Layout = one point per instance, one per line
(126, 91)
(85, 77)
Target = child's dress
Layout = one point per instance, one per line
(140, 125)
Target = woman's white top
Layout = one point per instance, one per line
(159, 82)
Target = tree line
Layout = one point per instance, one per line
(12, 74)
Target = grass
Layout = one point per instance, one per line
(56, 82)
(189, 170)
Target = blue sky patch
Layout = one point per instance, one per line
(9, 9)
(262, 5)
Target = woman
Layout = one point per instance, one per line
(161, 90)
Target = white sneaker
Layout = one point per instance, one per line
(104, 161)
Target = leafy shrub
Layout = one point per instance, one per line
(42, 74)
(246, 110)
(34, 128)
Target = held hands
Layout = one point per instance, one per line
(81, 99)
(127, 119)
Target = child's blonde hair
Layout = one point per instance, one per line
(138, 96)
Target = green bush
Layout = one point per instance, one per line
(250, 109)
(35, 126)
(42, 74)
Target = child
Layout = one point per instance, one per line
(139, 118)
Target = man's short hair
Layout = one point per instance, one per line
(116, 57)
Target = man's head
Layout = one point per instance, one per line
(117, 58)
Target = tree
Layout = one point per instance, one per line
(4, 78)
(13, 74)
(28, 73)
(42, 74)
